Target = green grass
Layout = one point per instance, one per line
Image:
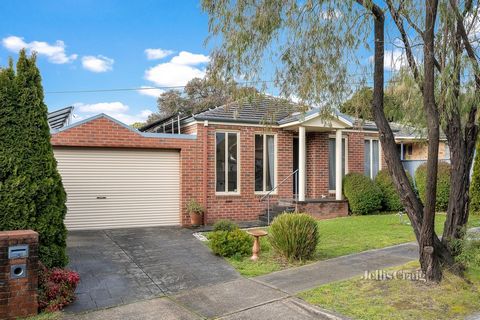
(46, 316)
(342, 236)
(453, 298)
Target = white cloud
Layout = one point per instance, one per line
(55, 53)
(178, 71)
(117, 110)
(394, 60)
(102, 107)
(151, 92)
(97, 64)
(155, 54)
(188, 58)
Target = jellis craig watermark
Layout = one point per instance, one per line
(384, 275)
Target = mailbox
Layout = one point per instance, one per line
(18, 251)
(18, 271)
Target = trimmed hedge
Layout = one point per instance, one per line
(475, 185)
(443, 184)
(363, 195)
(225, 225)
(294, 236)
(390, 199)
(230, 243)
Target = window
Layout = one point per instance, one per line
(264, 162)
(372, 158)
(332, 162)
(227, 161)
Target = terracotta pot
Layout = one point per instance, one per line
(196, 219)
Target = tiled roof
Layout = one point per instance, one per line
(258, 110)
(59, 118)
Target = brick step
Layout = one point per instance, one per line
(275, 210)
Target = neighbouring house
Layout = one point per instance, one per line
(60, 118)
(413, 146)
(234, 159)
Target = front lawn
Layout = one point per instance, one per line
(453, 298)
(342, 236)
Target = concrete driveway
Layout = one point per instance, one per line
(126, 265)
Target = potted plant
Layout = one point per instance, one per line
(195, 210)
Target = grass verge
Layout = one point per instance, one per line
(453, 298)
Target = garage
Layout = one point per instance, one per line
(119, 187)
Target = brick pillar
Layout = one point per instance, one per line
(18, 274)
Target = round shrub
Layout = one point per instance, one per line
(390, 199)
(225, 225)
(56, 288)
(475, 185)
(443, 184)
(363, 195)
(294, 236)
(230, 243)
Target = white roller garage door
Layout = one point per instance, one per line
(118, 188)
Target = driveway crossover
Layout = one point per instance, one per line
(125, 265)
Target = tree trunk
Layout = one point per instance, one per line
(429, 260)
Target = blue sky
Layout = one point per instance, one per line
(107, 44)
(102, 45)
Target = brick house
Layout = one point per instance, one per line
(232, 159)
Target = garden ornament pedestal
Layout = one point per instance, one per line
(256, 233)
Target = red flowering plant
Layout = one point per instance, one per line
(56, 288)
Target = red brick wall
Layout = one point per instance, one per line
(18, 297)
(247, 205)
(102, 132)
(317, 164)
(356, 151)
(190, 129)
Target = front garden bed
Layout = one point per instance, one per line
(341, 236)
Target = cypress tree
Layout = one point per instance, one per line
(31, 190)
(475, 184)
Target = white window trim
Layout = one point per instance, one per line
(275, 163)
(371, 155)
(345, 137)
(228, 193)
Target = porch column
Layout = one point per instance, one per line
(301, 163)
(338, 165)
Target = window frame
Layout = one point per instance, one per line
(344, 137)
(275, 163)
(228, 193)
(371, 155)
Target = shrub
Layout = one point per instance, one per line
(56, 288)
(363, 195)
(390, 199)
(475, 185)
(230, 243)
(31, 191)
(294, 236)
(193, 207)
(443, 184)
(224, 225)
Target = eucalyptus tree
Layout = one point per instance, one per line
(313, 47)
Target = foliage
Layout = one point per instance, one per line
(358, 105)
(475, 185)
(137, 125)
(31, 190)
(225, 225)
(443, 184)
(230, 243)
(294, 236)
(198, 95)
(56, 288)
(390, 199)
(194, 207)
(363, 195)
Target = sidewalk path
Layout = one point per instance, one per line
(313, 275)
